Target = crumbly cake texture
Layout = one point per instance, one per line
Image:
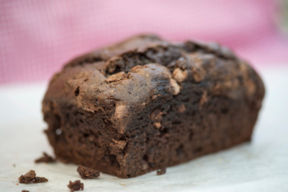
(145, 103)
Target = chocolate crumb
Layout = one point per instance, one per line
(87, 173)
(161, 171)
(75, 185)
(45, 159)
(30, 177)
(24, 190)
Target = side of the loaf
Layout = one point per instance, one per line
(216, 108)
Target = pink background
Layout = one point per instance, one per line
(37, 37)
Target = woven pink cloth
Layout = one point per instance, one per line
(37, 37)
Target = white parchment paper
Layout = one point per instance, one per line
(261, 165)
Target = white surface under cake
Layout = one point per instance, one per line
(261, 165)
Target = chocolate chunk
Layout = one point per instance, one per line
(30, 177)
(24, 190)
(179, 75)
(75, 186)
(87, 173)
(161, 171)
(45, 159)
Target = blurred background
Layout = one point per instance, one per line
(38, 37)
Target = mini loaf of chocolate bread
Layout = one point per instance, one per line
(145, 104)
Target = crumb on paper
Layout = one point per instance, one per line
(45, 159)
(161, 171)
(87, 173)
(30, 177)
(75, 186)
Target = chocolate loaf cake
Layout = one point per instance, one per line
(145, 104)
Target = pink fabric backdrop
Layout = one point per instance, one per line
(37, 37)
